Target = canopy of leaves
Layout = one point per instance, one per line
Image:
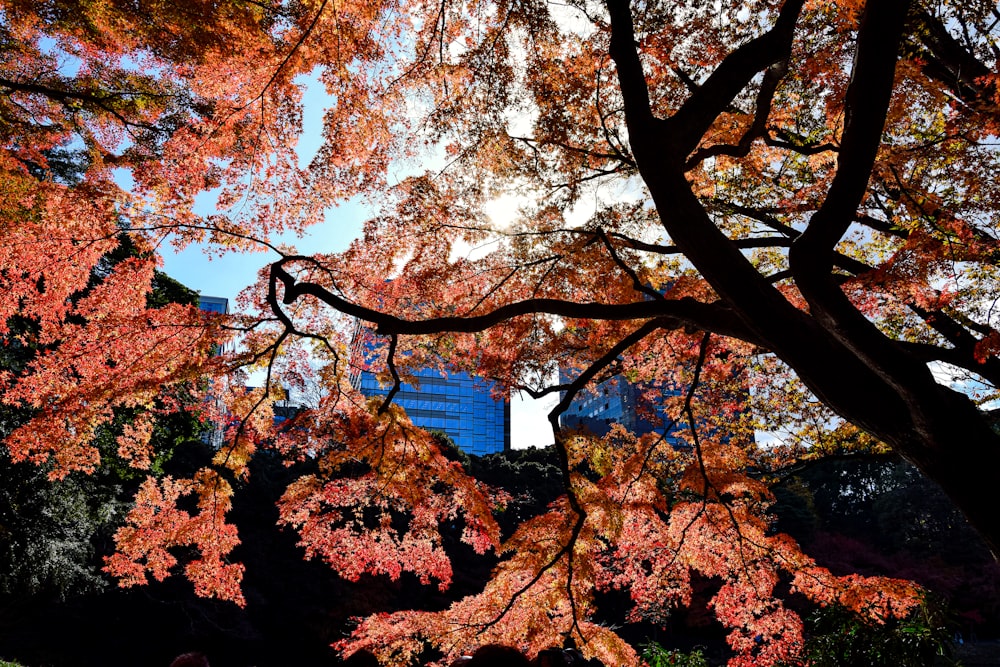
(50, 532)
(773, 214)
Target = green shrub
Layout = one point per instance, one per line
(837, 637)
(657, 656)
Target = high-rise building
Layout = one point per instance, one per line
(639, 407)
(219, 305)
(214, 304)
(457, 403)
(617, 401)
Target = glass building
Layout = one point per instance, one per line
(219, 305)
(214, 304)
(639, 407)
(616, 401)
(457, 404)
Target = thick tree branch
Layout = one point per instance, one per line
(865, 109)
(631, 79)
(660, 149)
(811, 257)
(882, 226)
(948, 61)
(792, 143)
(758, 128)
(962, 354)
(689, 124)
(684, 312)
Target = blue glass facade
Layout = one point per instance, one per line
(456, 404)
(639, 407)
(220, 305)
(214, 304)
(616, 401)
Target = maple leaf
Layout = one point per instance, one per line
(775, 217)
(156, 524)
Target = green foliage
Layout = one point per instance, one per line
(656, 656)
(839, 638)
(449, 449)
(52, 533)
(47, 529)
(884, 499)
(879, 515)
(531, 476)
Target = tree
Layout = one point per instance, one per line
(48, 530)
(93, 96)
(786, 197)
(880, 515)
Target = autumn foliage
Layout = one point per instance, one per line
(775, 216)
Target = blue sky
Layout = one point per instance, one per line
(229, 274)
(226, 276)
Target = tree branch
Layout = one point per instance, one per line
(66, 97)
(948, 61)
(683, 312)
(758, 128)
(866, 106)
(396, 382)
(689, 124)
